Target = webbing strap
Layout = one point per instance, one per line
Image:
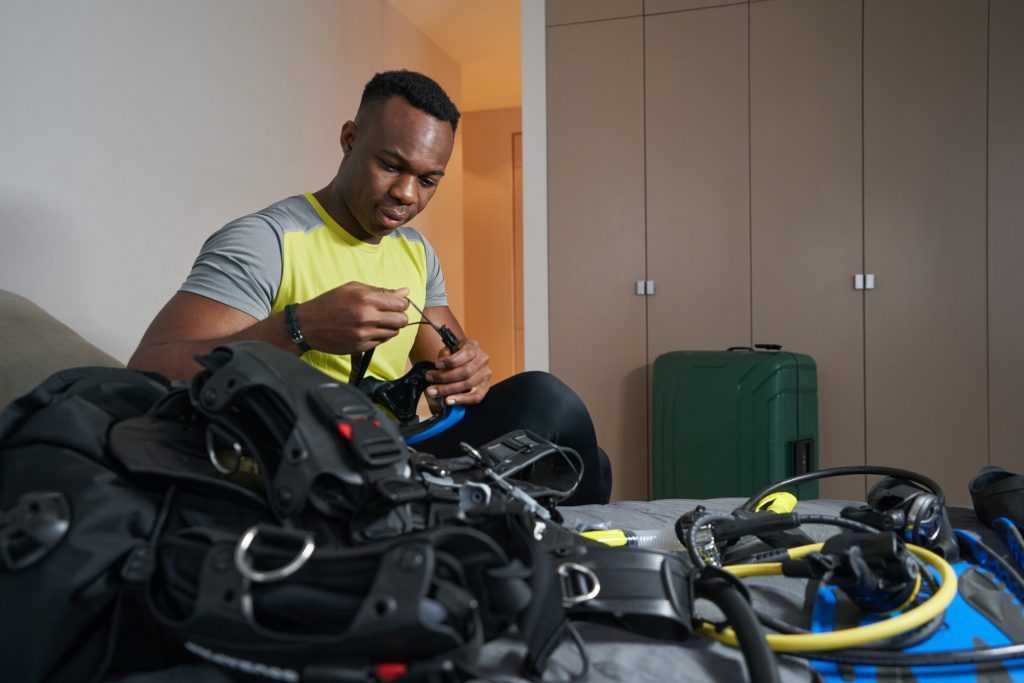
(360, 364)
(647, 591)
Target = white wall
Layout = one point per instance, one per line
(132, 129)
(535, 187)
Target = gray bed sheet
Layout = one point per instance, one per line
(617, 655)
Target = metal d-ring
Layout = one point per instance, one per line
(215, 461)
(282, 572)
(568, 571)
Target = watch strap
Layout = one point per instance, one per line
(291, 321)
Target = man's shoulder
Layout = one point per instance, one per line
(291, 214)
(409, 234)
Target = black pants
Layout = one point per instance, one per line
(544, 405)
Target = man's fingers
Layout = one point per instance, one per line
(448, 385)
(458, 373)
(390, 299)
(454, 381)
(381, 332)
(466, 354)
(471, 397)
(391, 320)
(476, 395)
(453, 390)
(460, 399)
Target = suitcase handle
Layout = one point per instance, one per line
(761, 347)
(803, 456)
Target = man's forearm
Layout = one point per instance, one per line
(175, 359)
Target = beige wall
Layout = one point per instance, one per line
(489, 240)
(884, 138)
(1006, 232)
(132, 129)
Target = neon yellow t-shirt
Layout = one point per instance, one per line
(293, 251)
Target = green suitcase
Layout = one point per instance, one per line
(728, 423)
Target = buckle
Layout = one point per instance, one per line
(430, 463)
(32, 528)
(140, 564)
(398, 490)
(212, 432)
(579, 583)
(246, 569)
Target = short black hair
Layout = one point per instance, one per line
(420, 91)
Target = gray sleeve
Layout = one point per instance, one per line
(240, 265)
(437, 295)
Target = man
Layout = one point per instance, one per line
(331, 273)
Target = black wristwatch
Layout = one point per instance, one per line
(292, 321)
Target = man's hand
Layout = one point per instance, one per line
(353, 317)
(350, 318)
(463, 377)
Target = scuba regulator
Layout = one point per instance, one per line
(875, 571)
(909, 504)
(401, 396)
(910, 509)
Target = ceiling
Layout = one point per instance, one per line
(483, 37)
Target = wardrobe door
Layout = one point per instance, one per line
(925, 224)
(596, 233)
(575, 11)
(806, 221)
(698, 211)
(653, 7)
(1006, 233)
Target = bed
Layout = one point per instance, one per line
(618, 655)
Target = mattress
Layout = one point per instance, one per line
(616, 654)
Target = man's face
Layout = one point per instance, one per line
(394, 159)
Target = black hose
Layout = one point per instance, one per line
(832, 520)
(930, 484)
(987, 655)
(761, 663)
(897, 642)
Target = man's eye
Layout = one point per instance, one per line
(390, 168)
(428, 182)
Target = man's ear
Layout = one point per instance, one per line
(348, 136)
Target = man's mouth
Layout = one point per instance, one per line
(392, 217)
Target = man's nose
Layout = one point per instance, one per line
(404, 189)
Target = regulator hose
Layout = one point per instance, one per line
(759, 658)
(917, 616)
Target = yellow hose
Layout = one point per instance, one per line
(933, 607)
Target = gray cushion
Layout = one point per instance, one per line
(34, 345)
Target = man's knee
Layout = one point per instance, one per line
(544, 390)
(536, 381)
